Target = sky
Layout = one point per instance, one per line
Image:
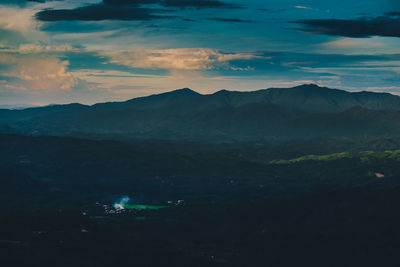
(91, 51)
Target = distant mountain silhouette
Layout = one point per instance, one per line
(270, 115)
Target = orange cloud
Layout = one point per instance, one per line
(179, 59)
(42, 73)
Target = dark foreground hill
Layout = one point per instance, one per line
(225, 204)
(271, 115)
(62, 168)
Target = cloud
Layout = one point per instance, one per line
(41, 48)
(24, 2)
(174, 3)
(36, 72)
(52, 74)
(129, 2)
(303, 7)
(352, 46)
(395, 14)
(230, 20)
(18, 19)
(85, 35)
(387, 25)
(126, 10)
(198, 4)
(179, 59)
(101, 12)
(18, 25)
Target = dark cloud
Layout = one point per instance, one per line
(175, 3)
(23, 2)
(198, 4)
(387, 25)
(129, 2)
(126, 10)
(230, 20)
(395, 14)
(101, 12)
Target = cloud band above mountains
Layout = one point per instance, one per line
(387, 25)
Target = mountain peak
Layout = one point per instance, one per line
(308, 86)
(183, 91)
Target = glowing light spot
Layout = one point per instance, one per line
(121, 203)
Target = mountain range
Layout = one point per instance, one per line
(270, 115)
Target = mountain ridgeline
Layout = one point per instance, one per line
(271, 115)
